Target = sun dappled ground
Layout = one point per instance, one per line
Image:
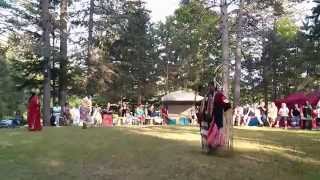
(156, 153)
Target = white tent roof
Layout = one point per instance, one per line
(181, 96)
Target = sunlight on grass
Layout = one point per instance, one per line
(170, 134)
(241, 145)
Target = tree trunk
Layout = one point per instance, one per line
(63, 52)
(45, 52)
(266, 85)
(225, 46)
(237, 73)
(90, 46)
(227, 128)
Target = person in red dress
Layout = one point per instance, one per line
(33, 117)
(164, 114)
(211, 119)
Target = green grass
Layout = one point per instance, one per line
(155, 153)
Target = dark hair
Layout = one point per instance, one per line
(32, 95)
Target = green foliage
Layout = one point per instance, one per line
(133, 54)
(189, 42)
(286, 28)
(74, 101)
(24, 57)
(11, 99)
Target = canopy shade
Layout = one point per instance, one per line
(300, 98)
(182, 96)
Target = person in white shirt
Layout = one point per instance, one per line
(75, 116)
(283, 114)
(238, 115)
(272, 114)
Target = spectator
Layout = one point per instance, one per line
(296, 116)
(151, 111)
(317, 112)
(238, 115)
(18, 119)
(283, 115)
(258, 115)
(97, 118)
(249, 115)
(263, 112)
(193, 116)
(56, 113)
(140, 114)
(75, 116)
(85, 111)
(272, 114)
(307, 116)
(66, 114)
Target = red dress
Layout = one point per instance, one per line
(164, 115)
(211, 120)
(33, 118)
(107, 119)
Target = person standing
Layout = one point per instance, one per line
(237, 116)
(283, 114)
(165, 115)
(272, 114)
(75, 116)
(66, 114)
(296, 116)
(56, 113)
(211, 119)
(307, 116)
(97, 117)
(33, 116)
(140, 112)
(85, 110)
(107, 120)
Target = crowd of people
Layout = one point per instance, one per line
(303, 116)
(89, 114)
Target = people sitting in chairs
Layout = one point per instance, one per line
(253, 117)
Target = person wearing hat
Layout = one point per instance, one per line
(33, 116)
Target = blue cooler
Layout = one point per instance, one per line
(184, 121)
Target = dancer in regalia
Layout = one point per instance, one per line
(211, 119)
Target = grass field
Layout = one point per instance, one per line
(155, 153)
